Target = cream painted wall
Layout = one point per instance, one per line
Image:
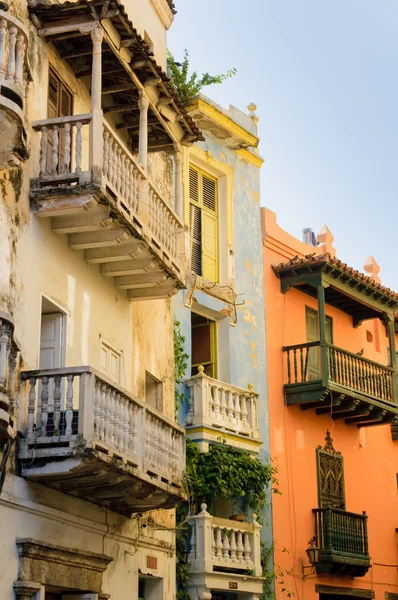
(29, 510)
(146, 18)
(35, 261)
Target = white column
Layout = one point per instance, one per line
(178, 184)
(143, 104)
(96, 142)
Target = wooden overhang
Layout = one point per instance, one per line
(345, 288)
(128, 65)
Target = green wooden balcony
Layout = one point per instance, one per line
(346, 386)
(342, 542)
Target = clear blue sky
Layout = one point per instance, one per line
(324, 75)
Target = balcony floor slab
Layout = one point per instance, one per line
(102, 478)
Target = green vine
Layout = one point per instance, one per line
(272, 573)
(189, 85)
(230, 474)
(180, 363)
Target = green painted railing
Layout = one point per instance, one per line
(344, 368)
(340, 531)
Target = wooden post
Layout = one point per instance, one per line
(390, 327)
(96, 142)
(143, 104)
(178, 184)
(322, 333)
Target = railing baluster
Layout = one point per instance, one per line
(44, 407)
(19, 60)
(69, 405)
(67, 147)
(57, 404)
(12, 39)
(55, 150)
(301, 365)
(31, 409)
(43, 151)
(97, 409)
(3, 35)
(79, 142)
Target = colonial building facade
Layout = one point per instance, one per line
(333, 406)
(221, 317)
(92, 238)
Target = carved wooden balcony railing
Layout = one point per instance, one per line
(88, 437)
(344, 384)
(115, 214)
(14, 74)
(223, 544)
(342, 539)
(217, 408)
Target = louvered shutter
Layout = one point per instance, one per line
(59, 104)
(195, 222)
(209, 228)
(203, 223)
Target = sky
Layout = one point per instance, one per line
(324, 76)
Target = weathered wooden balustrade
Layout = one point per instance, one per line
(77, 412)
(341, 367)
(223, 406)
(223, 544)
(342, 539)
(110, 205)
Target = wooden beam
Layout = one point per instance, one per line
(153, 293)
(164, 100)
(140, 281)
(139, 64)
(120, 87)
(152, 81)
(88, 72)
(88, 220)
(127, 43)
(117, 108)
(134, 266)
(98, 239)
(125, 251)
(70, 25)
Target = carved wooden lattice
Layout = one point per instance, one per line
(330, 475)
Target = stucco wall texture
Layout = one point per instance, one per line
(370, 455)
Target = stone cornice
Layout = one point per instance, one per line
(38, 550)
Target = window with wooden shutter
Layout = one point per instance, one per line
(203, 223)
(59, 104)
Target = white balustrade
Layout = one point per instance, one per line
(223, 543)
(13, 46)
(218, 404)
(163, 224)
(78, 403)
(121, 171)
(61, 148)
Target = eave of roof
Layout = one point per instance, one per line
(334, 268)
(46, 14)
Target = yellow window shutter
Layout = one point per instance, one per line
(203, 223)
(209, 227)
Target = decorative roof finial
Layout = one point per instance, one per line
(325, 239)
(372, 269)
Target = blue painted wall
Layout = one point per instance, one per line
(244, 342)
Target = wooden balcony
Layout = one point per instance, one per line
(219, 410)
(342, 539)
(347, 386)
(14, 76)
(117, 218)
(224, 551)
(89, 438)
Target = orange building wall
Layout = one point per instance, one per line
(370, 455)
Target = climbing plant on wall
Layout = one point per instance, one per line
(180, 363)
